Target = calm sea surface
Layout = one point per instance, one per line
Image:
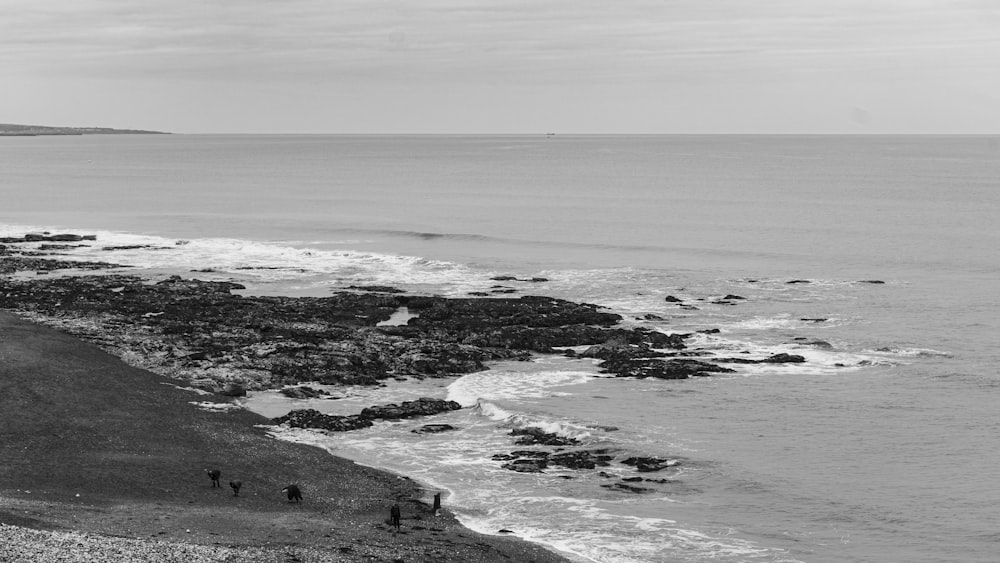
(884, 446)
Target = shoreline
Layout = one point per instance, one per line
(429, 489)
(110, 449)
(215, 341)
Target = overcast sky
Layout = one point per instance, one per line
(503, 66)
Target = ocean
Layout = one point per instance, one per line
(883, 446)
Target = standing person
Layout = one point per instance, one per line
(394, 516)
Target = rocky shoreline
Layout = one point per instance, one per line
(205, 335)
(210, 338)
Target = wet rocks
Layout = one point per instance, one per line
(649, 464)
(48, 237)
(535, 461)
(513, 278)
(303, 392)
(203, 330)
(676, 368)
(433, 429)
(529, 461)
(376, 288)
(781, 358)
(621, 486)
(533, 436)
(12, 264)
(582, 459)
(410, 409)
(311, 418)
(784, 358)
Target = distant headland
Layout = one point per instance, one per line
(11, 130)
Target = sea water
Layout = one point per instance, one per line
(883, 446)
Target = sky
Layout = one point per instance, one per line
(503, 66)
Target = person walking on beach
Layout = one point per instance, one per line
(394, 516)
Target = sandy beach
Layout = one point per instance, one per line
(103, 461)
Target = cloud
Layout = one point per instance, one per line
(456, 40)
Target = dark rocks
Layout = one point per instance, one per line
(433, 429)
(198, 329)
(584, 459)
(533, 436)
(134, 247)
(876, 282)
(311, 418)
(462, 316)
(303, 392)
(798, 281)
(628, 488)
(732, 297)
(11, 264)
(781, 358)
(233, 389)
(513, 278)
(57, 247)
(534, 461)
(39, 237)
(661, 369)
(649, 464)
(410, 409)
(784, 359)
(642, 361)
(671, 299)
(376, 288)
(181, 285)
(526, 465)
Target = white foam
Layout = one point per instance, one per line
(817, 360)
(266, 262)
(910, 352)
(538, 507)
(517, 382)
(771, 323)
(345, 399)
(593, 531)
(521, 420)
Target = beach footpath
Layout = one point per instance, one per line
(100, 461)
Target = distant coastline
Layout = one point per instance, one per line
(12, 130)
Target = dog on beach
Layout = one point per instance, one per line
(236, 487)
(214, 475)
(293, 492)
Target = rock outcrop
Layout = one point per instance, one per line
(311, 418)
